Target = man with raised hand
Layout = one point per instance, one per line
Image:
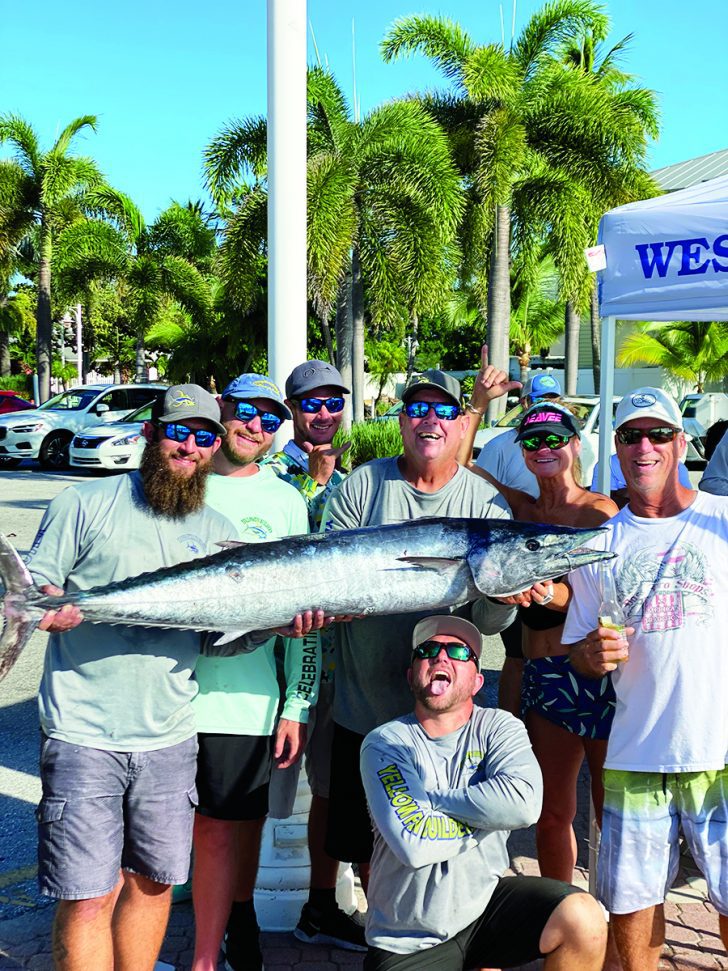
(371, 653)
(668, 747)
(119, 742)
(315, 396)
(240, 737)
(446, 784)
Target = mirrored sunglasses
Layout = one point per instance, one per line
(180, 433)
(552, 441)
(312, 406)
(420, 409)
(657, 436)
(245, 411)
(454, 650)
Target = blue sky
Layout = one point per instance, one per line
(164, 77)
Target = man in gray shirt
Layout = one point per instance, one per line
(371, 653)
(445, 786)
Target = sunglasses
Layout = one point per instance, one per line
(180, 433)
(246, 412)
(312, 406)
(551, 441)
(657, 436)
(420, 409)
(454, 650)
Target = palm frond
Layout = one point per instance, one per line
(238, 151)
(23, 138)
(63, 142)
(440, 39)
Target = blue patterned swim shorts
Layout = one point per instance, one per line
(583, 706)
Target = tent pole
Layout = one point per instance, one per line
(606, 393)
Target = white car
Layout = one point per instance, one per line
(586, 411)
(116, 446)
(45, 433)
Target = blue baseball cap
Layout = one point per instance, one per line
(247, 386)
(541, 384)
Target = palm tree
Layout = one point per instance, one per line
(527, 133)
(17, 317)
(51, 193)
(92, 249)
(383, 205)
(693, 350)
(537, 316)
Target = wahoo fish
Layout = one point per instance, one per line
(421, 565)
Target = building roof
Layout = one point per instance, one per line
(695, 170)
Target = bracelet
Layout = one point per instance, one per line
(475, 411)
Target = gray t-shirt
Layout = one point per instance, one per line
(503, 458)
(442, 809)
(373, 654)
(114, 687)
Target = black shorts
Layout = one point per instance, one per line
(349, 833)
(233, 775)
(505, 936)
(511, 638)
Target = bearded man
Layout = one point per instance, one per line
(119, 739)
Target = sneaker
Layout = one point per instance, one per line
(331, 926)
(242, 951)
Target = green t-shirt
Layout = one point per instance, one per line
(239, 695)
(106, 686)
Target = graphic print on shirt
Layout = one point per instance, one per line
(424, 825)
(192, 543)
(259, 527)
(661, 588)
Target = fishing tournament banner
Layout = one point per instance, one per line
(667, 258)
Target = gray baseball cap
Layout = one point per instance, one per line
(185, 401)
(313, 374)
(433, 379)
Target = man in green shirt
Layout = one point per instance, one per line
(239, 734)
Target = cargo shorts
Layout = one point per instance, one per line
(105, 811)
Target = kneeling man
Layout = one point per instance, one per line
(445, 786)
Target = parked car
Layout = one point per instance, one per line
(115, 445)
(586, 411)
(10, 401)
(699, 412)
(45, 433)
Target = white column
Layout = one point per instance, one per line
(606, 392)
(286, 189)
(79, 343)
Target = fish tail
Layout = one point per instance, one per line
(19, 623)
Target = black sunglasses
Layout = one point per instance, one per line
(552, 441)
(657, 436)
(180, 433)
(245, 412)
(454, 650)
(312, 406)
(420, 409)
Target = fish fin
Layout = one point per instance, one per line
(229, 544)
(429, 562)
(19, 623)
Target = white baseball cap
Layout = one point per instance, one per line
(648, 403)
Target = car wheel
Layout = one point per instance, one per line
(54, 451)
(8, 462)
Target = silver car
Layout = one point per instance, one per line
(45, 433)
(116, 446)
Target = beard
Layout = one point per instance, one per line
(168, 493)
(228, 449)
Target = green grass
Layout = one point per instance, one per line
(370, 440)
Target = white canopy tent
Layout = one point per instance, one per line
(667, 259)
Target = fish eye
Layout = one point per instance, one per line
(533, 545)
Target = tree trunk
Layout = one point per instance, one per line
(326, 333)
(571, 365)
(140, 372)
(596, 338)
(344, 340)
(499, 302)
(412, 348)
(357, 355)
(4, 354)
(44, 332)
